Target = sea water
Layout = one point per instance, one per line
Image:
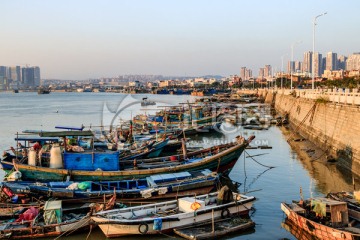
(271, 175)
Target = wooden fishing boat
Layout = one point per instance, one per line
(164, 217)
(149, 151)
(146, 102)
(160, 186)
(215, 229)
(323, 218)
(178, 159)
(46, 221)
(352, 200)
(296, 231)
(221, 162)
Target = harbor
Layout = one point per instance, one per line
(269, 168)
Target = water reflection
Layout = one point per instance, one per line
(270, 186)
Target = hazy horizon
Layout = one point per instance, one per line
(78, 40)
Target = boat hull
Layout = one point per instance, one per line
(221, 163)
(34, 231)
(117, 228)
(318, 230)
(222, 227)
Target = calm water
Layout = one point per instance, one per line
(271, 186)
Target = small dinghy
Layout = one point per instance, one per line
(216, 229)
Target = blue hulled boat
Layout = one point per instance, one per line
(157, 186)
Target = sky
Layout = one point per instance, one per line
(82, 39)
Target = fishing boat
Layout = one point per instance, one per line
(323, 218)
(43, 90)
(192, 154)
(47, 221)
(104, 166)
(151, 149)
(352, 200)
(164, 217)
(215, 229)
(146, 102)
(154, 187)
(296, 231)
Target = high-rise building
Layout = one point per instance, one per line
(15, 73)
(261, 73)
(243, 73)
(248, 74)
(318, 70)
(331, 61)
(267, 71)
(36, 76)
(323, 64)
(353, 62)
(27, 77)
(298, 66)
(290, 67)
(342, 62)
(307, 62)
(3, 71)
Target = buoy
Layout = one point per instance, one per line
(55, 157)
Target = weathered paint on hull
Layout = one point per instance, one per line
(155, 153)
(318, 230)
(116, 230)
(173, 195)
(219, 162)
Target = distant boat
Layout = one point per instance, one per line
(16, 90)
(146, 102)
(42, 90)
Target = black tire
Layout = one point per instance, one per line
(143, 228)
(225, 213)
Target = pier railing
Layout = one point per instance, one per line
(343, 96)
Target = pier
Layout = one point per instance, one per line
(328, 118)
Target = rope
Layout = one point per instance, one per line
(312, 110)
(257, 161)
(217, 169)
(74, 229)
(89, 232)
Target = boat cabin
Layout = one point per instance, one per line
(337, 210)
(53, 212)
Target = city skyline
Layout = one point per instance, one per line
(89, 39)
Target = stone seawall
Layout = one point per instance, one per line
(333, 127)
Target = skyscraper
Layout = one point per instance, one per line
(318, 70)
(3, 71)
(31, 76)
(342, 62)
(307, 63)
(353, 62)
(298, 66)
(291, 67)
(36, 76)
(267, 71)
(243, 73)
(261, 73)
(248, 74)
(15, 73)
(331, 61)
